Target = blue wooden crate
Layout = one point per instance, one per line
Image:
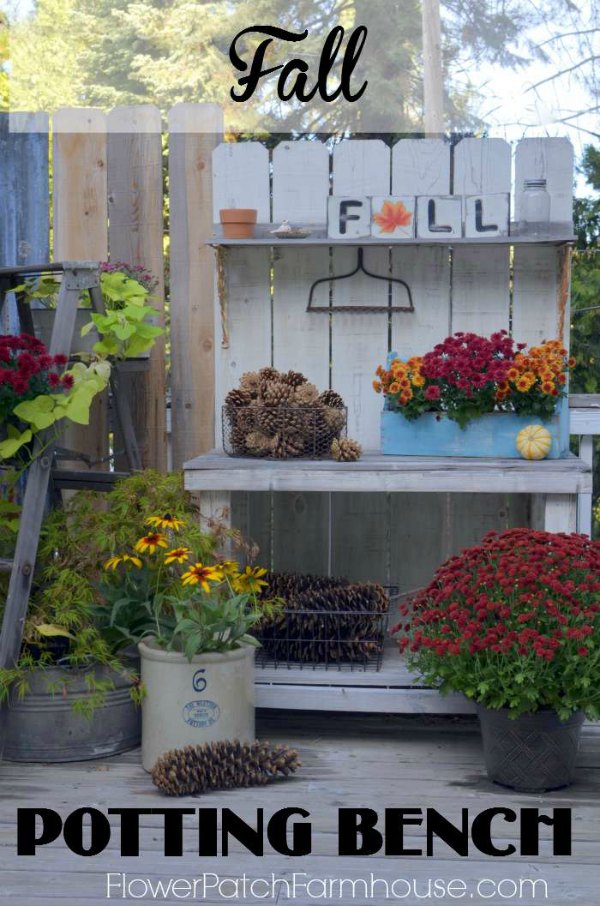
(434, 434)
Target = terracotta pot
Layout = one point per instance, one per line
(238, 223)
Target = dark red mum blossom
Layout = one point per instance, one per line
(27, 371)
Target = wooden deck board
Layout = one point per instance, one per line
(350, 760)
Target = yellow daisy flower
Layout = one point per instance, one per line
(150, 543)
(113, 562)
(166, 522)
(251, 580)
(198, 574)
(177, 555)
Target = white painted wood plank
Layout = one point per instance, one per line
(482, 165)
(300, 190)
(421, 167)
(358, 699)
(560, 513)
(241, 178)
(480, 276)
(301, 522)
(550, 159)
(585, 501)
(535, 294)
(390, 474)
(359, 341)
(300, 182)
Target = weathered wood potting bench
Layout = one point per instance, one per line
(390, 519)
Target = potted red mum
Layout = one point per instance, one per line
(514, 624)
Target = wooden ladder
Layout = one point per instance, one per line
(77, 277)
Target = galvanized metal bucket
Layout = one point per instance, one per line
(44, 727)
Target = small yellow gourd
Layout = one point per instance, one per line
(534, 442)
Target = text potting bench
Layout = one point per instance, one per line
(384, 518)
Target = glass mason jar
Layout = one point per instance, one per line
(535, 208)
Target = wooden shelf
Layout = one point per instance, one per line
(319, 238)
(375, 472)
(393, 689)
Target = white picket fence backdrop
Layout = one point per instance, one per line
(393, 538)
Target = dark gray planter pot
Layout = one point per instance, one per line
(534, 753)
(43, 727)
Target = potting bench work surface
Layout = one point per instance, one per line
(348, 761)
(376, 472)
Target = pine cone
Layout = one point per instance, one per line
(346, 450)
(222, 766)
(331, 399)
(250, 381)
(325, 620)
(294, 379)
(237, 399)
(259, 443)
(238, 442)
(269, 420)
(276, 393)
(288, 446)
(335, 419)
(269, 374)
(306, 394)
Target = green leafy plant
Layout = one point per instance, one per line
(170, 588)
(512, 623)
(63, 624)
(127, 328)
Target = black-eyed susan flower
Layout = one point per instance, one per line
(150, 543)
(177, 555)
(251, 580)
(229, 569)
(166, 522)
(202, 575)
(113, 562)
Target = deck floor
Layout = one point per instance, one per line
(362, 761)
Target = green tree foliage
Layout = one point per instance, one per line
(113, 52)
(3, 62)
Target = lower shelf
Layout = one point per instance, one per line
(392, 690)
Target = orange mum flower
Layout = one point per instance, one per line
(392, 215)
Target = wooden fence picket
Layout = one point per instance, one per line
(195, 130)
(136, 229)
(80, 228)
(24, 212)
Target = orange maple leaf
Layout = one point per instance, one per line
(393, 214)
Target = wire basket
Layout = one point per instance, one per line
(282, 432)
(345, 630)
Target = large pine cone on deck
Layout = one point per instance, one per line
(222, 766)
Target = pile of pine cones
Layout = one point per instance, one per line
(282, 415)
(223, 765)
(325, 620)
